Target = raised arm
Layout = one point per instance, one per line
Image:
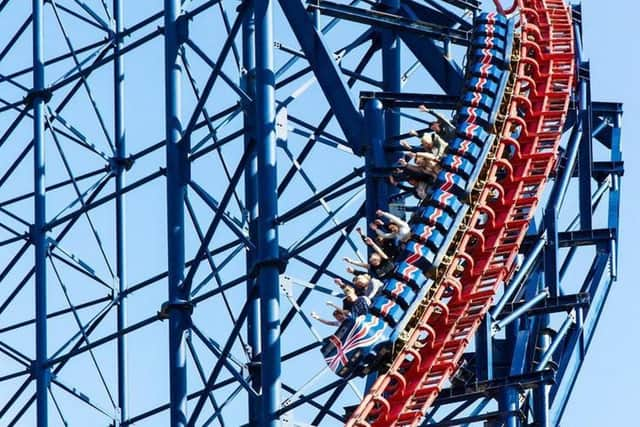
(379, 233)
(436, 115)
(427, 156)
(325, 321)
(391, 217)
(369, 241)
(356, 263)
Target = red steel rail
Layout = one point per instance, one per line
(535, 110)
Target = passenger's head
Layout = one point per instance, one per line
(426, 141)
(394, 228)
(340, 315)
(350, 293)
(375, 259)
(362, 281)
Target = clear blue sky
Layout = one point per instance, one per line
(606, 392)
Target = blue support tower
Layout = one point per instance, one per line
(177, 147)
(120, 208)
(268, 257)
(41, 369)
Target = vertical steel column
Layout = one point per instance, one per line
(484, 351)
(585, 154)
(119, 166)
(251, 203)
(177, 175)
(391, 76)
(541, 394)
(268, 246)
(391, 71)
(510, 399)
(41, 371)
(376, 189)
(614, 191)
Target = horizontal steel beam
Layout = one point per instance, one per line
(464, 4)
(549, 305)
(388, 21)
(569, 239)
(487, 416)
(492, 387)
(606, 108)
(411, 100)
(600, 170)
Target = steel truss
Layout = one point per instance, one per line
(147, 248)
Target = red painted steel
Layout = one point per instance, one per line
(508, 195)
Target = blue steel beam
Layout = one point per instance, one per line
(251, 204)
(478, 389)
(320, 128)
(614, 193)
(444, 70)
(520, 311)
(552, 210)
(520, 276)
(585, 153)
(268, 247)
(391, 77)
(410, 100)
(578, 341)
(38, 96)
(388, 20)
(376, 189)
(550, 305)
(120, 182)
(326, 71)
(177, 180)
(437, 14)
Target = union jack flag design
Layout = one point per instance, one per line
(366, 331)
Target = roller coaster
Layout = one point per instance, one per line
(164, 274)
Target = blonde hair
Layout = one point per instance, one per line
(362, 278)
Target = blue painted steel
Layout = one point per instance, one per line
(585, 154)
(177, 179)
(391, 73)
(519, 277)
(268, 247)
(484, 351)
(251, 205)
(326, 71)
(552, 210)
(509, 398)
(446, 72)
(510, 403)
(121, 252)
(614, 193)
(41, 371)
(391, 82)
(521, 310)
(376, 188)
(557, 340)
(541, 394)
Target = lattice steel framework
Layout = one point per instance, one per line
(142, 211)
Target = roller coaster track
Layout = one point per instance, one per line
(508, 194)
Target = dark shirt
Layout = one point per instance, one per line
(360, 307)
(384, 270)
